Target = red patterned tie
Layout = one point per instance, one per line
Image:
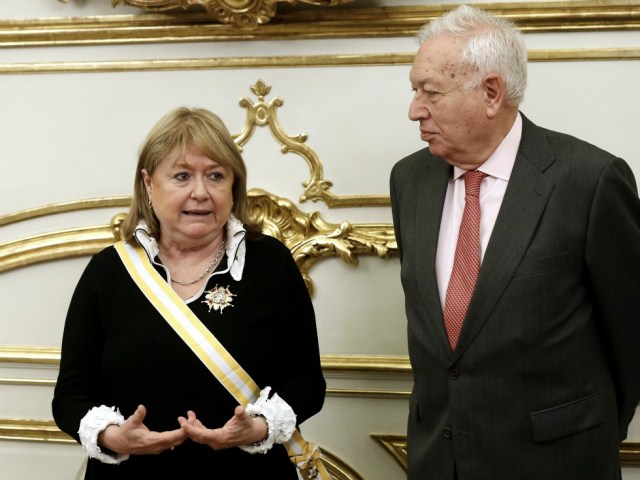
(466, 263)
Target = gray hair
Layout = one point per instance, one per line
(491, 45)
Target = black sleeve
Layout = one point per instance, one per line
(78, 386)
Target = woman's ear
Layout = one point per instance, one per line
(147, 181)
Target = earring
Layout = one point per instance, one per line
(150, 204)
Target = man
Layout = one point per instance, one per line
(539, 376)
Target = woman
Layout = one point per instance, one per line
(131, 389)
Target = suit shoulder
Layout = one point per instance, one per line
(415, 161)
(565, 144)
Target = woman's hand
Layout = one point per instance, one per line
(133, 437)
(241, 429)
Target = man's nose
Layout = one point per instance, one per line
(417, 110)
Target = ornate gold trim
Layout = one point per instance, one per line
(337, 468)
(366, 363)
(396, 445)
(630, 454)
(47, 431)
(293, 61)
(32, 430)
(55, 245)
(352, 22)
(34, 355)
(308, 236)
(240, 13)
(260, 114)
(29, 355)
(367, 393)
(63, 207)
(28, 382)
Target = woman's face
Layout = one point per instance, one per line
(192, 198)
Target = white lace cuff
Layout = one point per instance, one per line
(94, 422)
(281, 421)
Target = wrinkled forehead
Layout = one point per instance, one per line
(438, 60)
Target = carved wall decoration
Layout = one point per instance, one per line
(307, 235)
(396, 445)
(336, 22)
(317, 187)
(241, 13)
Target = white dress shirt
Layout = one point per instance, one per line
(498, 169)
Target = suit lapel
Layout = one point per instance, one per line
(522, 207)
(431, 192)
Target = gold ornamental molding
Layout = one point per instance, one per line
(293, 61)
(260, 114)
(32, 430)
(396, 445)
(309, 237)
(351, 365)
(394, 365)
(293, 24)
(241, 13)
(46, 431)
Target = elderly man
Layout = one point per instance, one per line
(520, 263)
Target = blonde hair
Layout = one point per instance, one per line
(175, 133)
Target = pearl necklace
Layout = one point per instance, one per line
(207, 270)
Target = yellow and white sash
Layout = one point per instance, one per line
(210, 351)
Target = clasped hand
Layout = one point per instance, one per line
(133, 437)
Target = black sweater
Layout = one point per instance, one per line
(118, 351)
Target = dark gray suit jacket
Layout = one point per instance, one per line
(546, 374)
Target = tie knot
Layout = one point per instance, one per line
(472, 180)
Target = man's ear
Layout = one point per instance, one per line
(494, 93)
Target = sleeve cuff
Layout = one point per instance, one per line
(94, 422)
(281, 421)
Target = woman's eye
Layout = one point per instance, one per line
(181, 176)
(217, 176)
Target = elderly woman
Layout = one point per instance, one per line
(169, 332)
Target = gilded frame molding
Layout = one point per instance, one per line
(565, 16)
(46, 431)
(241, 13)
(396, 445)
(295, 61)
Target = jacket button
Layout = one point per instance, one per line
(454, 374)
(447, 433)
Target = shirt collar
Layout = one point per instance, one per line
(235, 250)
(500, 163)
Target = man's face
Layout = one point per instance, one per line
(453, 119)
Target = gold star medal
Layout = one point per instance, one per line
(219, 298)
